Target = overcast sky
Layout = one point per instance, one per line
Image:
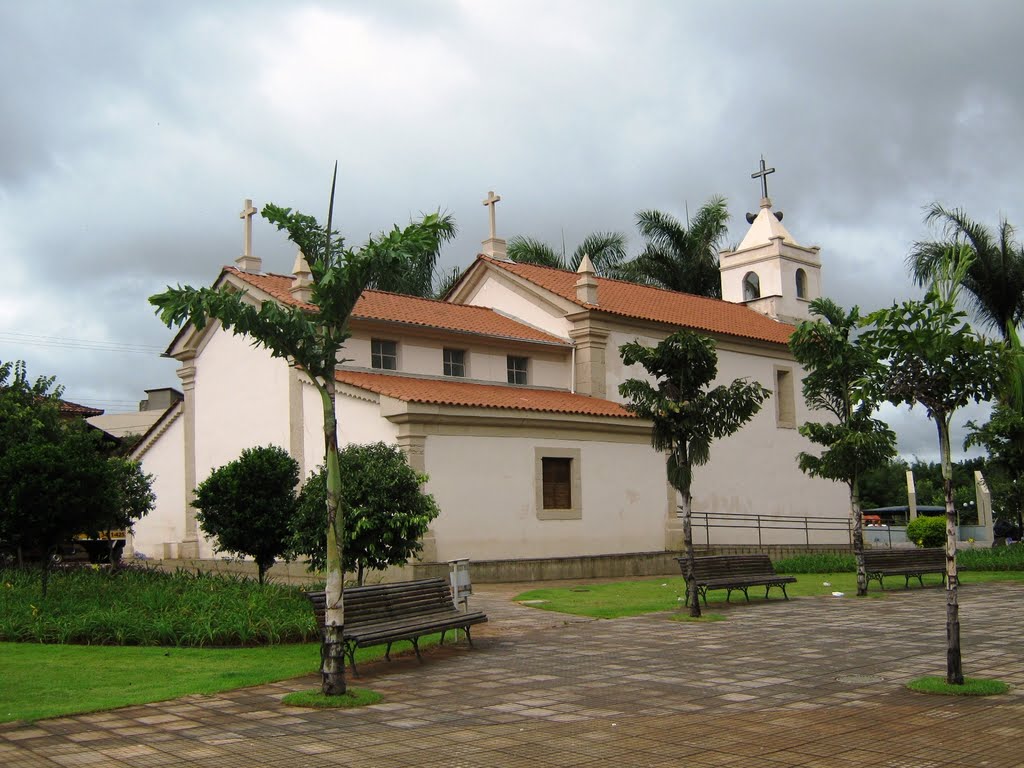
(132, 132)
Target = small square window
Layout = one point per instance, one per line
(517, 368)
(454, 362)
(384, 354)
(558, 484)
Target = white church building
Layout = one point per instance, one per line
(506, 395)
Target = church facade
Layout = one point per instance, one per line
(506, 395)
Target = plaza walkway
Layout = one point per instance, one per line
(809, 682)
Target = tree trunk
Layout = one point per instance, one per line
(332, 668)
(858, 539)
(691, 582)
(954, 666)
(359, 573)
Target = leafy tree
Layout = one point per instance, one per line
(932, 357)
(607, 250)
(836, 365)
(421, 275)
(687, 416)
(677, 257)
(248, 503)
(56, 479)
(994, 273)
(1003, 437)
(313, 341)
(388, 512)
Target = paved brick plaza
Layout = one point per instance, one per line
(810, 682)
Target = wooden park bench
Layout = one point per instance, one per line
(908, 563)
(734, 572)
(387, 613)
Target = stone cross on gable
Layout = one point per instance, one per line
(763, 175)
(247, 213)
(247, 262)
(490, 202)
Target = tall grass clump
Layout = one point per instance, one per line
(1008, 558)
(139, 606)
(816, 562)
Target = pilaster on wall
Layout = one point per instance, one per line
(591, 341)
(189, 546)
(673, 524)
(296, 422)
(413, 443)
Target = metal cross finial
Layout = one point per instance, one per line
(489, 202)
(763, 175)
(247, 213)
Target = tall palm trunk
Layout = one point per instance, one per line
(333, 653)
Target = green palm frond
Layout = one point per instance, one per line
(530, 250)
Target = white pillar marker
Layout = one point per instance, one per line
(490, 202)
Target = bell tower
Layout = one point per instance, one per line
(770, 271)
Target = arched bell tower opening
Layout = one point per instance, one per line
(770, 271)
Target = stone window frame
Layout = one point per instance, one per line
(514, 372)
(575, 512)
(378, 356)
(785, 397)
(453, 362)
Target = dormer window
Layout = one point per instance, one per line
(454, 362)
(751, 287)
(801, 284)
(517, 369)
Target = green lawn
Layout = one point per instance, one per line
(632, 598)
(41, 681)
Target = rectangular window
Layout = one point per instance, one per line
(559, 489)
(454, 362)
(557, 482)
(517, 367)
(384, 354)
(785, 403)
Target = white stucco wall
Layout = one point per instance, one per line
(241, 399)
(166, 523)
(485, 487)
(484, 361)
(359, 421)
(497, 293)
(754, 471)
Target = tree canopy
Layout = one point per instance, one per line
(687, 416)
(852, 442)
(387, 511)
(247, 505)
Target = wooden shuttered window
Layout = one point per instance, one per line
(557, 480)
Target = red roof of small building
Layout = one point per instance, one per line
(472, 394)
(412, 310)
(644, 302)
(67, 408)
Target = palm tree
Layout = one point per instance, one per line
(677, 257)
(607, 250)
(421, 273)
(994, 282)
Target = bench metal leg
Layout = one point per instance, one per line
(443, 631)
(350, 652)
(387, 652)
(416, 647)
(468, 637)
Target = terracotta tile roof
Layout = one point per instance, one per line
(471, 394)
(67, 408)
(412, 310)
(644, 302)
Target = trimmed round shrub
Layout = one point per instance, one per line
(927, 531)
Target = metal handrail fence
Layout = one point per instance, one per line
(749, 521)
